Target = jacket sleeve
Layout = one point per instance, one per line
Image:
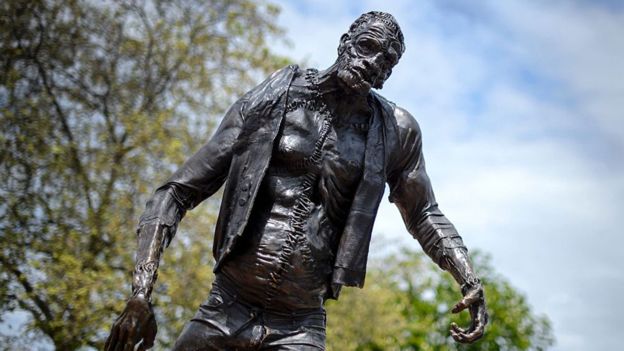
(410, 190)
(206, 171)
(199, 177)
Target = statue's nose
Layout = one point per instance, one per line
(380, 59)
(374, 64)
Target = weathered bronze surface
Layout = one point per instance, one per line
(306, 155)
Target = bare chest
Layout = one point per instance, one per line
(342, 146)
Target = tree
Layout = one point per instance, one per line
(406, 306)
(99, 101)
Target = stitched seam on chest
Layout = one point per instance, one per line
(296, 238)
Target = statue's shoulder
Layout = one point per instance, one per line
(279, 80)
(405, 120)
(270, 90)
(396, 115)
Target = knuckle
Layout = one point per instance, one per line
(127, 326)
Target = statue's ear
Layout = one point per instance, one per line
(343, 42)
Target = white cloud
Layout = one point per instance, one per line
(521, 106)
(579, 44)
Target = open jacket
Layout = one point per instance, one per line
(240, 152)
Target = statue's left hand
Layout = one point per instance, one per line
(135, 324)
(474, 300)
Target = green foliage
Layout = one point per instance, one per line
(406, 306)
(99, 101)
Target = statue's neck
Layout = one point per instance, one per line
(343, 101)
(336, 93)
(327, 81)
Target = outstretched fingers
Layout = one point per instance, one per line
(471, 297)
(466, 338)
(129, 346)
(458, 330)
(114, 337)
(150, 333)
(111, 341)
(121, 340)
(477, 328)
(130, 342)
(136, 323)
(478, 313)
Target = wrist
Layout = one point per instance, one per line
(140, 294)
(470, 283)
(138, 303)
(150, 245)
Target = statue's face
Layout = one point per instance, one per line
(367, 57)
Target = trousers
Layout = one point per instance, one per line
(225, 322)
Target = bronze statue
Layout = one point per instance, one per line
(306, 155)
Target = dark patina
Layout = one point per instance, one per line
(305, 157)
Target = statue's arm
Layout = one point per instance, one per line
(411, 191)
(200, 176)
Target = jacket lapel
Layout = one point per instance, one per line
(352, 255)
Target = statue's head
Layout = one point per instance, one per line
(369, 50)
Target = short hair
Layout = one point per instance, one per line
(387, 19)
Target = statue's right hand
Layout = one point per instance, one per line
(135, 324)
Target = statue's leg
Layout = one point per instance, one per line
(221, 323)
(297, 331)
(294, 347)
(208, 330)
(199, 336)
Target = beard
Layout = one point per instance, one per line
(352, 77)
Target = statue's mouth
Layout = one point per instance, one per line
(361, 73)
(361, 78)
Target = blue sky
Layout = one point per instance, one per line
(521, 105)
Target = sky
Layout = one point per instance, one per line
(521, 106)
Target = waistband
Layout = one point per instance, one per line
(223, 286)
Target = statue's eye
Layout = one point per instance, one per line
(368, 46)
